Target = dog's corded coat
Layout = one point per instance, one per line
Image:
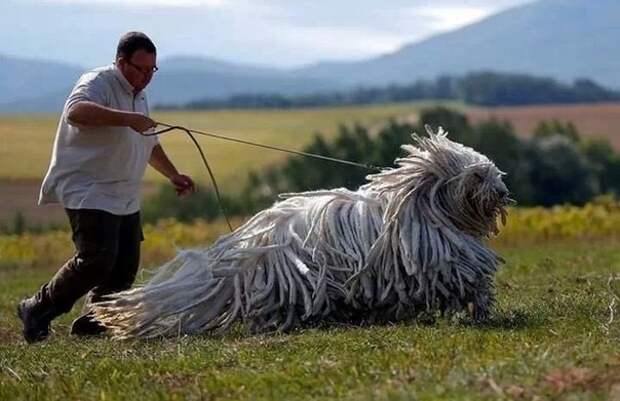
(410, 240)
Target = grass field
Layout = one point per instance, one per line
(27, 139)
(554, 336)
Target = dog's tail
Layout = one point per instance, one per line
(186, 295)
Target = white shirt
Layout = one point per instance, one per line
(99, 167)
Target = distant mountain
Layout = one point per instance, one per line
(182, 79)
(30, 86)
(49, 103)
(34, 85)
(564, 39)
(212, 65)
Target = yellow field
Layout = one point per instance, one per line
(27, 140)
(598, 220)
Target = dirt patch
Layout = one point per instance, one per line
(602, 120)
(562, 380)
(21, 196)
(176, 381)
(559, 382)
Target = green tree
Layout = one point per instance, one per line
(547, 129)
(456, 124)
(604, 163)
(559, 172)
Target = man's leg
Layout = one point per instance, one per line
(120, 277)
(95, 235)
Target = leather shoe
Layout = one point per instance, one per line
(36, 325)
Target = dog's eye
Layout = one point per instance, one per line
(478, 176)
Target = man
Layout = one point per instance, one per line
(98, 161)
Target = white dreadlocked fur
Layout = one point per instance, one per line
(410, 240)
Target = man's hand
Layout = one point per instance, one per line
(139, 122)
(182, 184)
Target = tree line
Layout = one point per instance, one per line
(555, 165)
(481, 88)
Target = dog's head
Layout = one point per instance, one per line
(450, 183)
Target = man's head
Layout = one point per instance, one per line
(136, 58)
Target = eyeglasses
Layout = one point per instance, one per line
(145, 71)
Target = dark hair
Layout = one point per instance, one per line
(131, 42)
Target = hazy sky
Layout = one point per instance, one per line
(270, 32)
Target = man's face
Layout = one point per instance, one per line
(138, 69)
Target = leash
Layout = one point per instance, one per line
(168, 128)
(295, 152)
(204, 161)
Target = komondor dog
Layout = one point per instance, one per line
(410, 240)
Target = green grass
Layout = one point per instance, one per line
(27, 140)
(550, 339)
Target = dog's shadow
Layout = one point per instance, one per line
(504, 320)
(498, 320)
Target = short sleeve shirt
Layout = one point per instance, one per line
(99, 167)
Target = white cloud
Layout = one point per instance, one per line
(321, 42)
(444, 18)
(272, 32)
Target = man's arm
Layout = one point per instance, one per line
(91, 114)
(160, 162)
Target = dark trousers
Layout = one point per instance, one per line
(106, 260)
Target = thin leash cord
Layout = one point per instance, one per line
(204, 161)
(296, 152)
(189, 132)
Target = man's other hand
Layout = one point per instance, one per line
(140, 123)
(183, 184)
